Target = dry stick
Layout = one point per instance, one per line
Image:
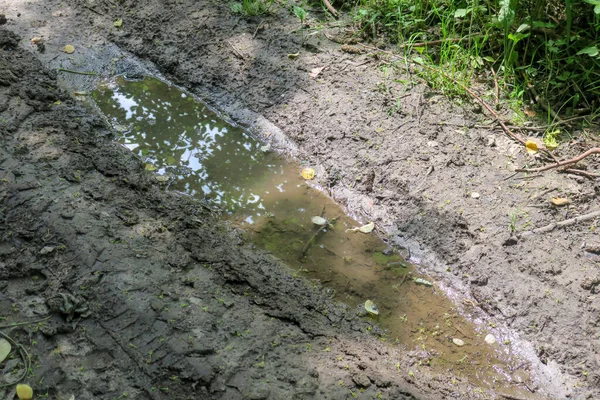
(432, 43)
(330, 8)
(567, 222)
(589, 175)
(593, 150)
(76, 72)
(307, 245)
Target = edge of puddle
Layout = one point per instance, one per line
(111, 61)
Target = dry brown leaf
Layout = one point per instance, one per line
(559, 201)
(530, 112)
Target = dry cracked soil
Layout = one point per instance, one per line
(119, 289)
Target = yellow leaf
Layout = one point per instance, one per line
(308, 173)
(559, 201)
(294, 55)
(24, 392)
(532, 147)
(118, 23)
(69, 49)
(150, 167)
(371, 307)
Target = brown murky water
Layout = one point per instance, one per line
(195, 152)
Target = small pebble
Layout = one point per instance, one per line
(46, 250)
(458, 342)
(475, 195)
(490, 339)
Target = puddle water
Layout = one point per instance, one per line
(264, 194)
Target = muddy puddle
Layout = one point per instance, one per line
(190, 149)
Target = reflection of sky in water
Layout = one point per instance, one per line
(208, 158)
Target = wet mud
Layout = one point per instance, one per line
(383, 145)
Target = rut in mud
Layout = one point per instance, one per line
(412, 171)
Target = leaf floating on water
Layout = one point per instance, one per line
(490, 339)
(5, 349)
(423, 282)
(458, 342)
(318, 220)
(308, 173)
(24, 392)
(69, 49)
(150, 167)
(368, 228)
(532, 147)
(559, 201)
(371, 307)
(118, 23)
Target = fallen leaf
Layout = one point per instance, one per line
(368, 228)
(161, 178)
(423, 282)
(36, 40)
(458, 342)
(371, 307)
(308, 173)
(5, 349)
(532, 147)
(316, 71)
(80, 93)
(318, 220)
(118, 23)
(294, 55)
(559, 201)
(490, 339)
(150, 167)
(69, 49)
(24, 392)
(530, 112)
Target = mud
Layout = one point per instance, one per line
(384, 144)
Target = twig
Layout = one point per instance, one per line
(589, 175)
(257, 29)
(237, 53)
(77, 72)
(24, 355)
(307, 245)
(330, 8)
(593, 150)
(24, 323)
(567, 222)
(432, 43)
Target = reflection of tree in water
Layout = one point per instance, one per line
(178, 135)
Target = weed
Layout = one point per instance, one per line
(251, 8)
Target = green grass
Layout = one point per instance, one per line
(549, 46)
(251, 8)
